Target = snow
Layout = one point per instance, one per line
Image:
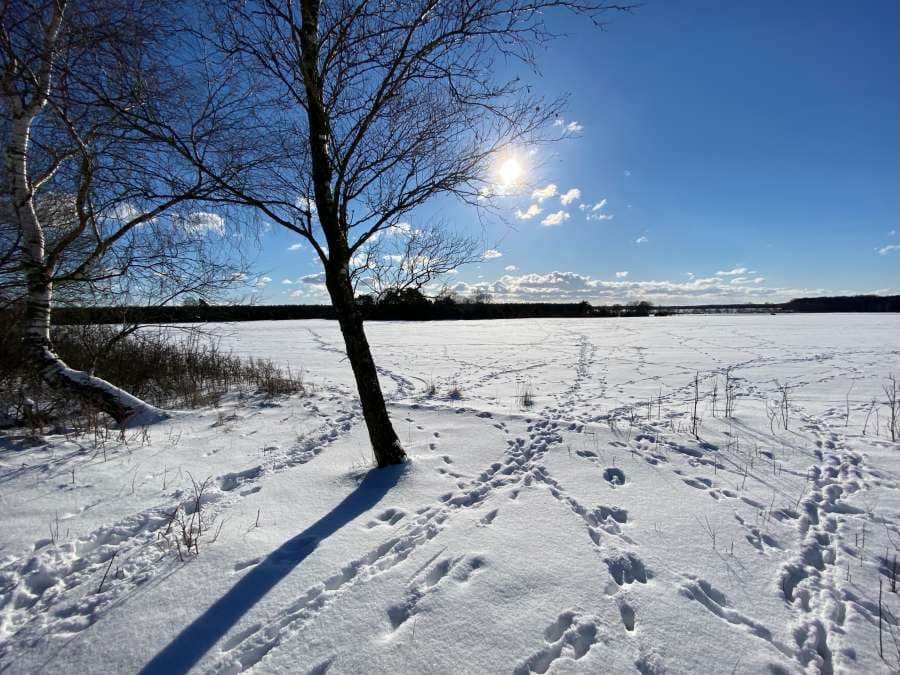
(590, 532)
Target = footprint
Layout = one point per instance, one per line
(459, 569)
(627, 613)
(570, 636)
(388, 517)
(614, 476)
(627, 569)
(489, 518)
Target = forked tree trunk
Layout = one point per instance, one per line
(384, 439)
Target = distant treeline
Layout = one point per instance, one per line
(849, 303)
(422, 309)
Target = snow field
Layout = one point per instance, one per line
(588, 532)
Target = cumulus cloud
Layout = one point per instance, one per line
(262, 282)
(573, 287)
(736, 272)
(295, 247)
(556, 218)
(641, 240)
(884, 250)
(316, 279)
(532, 211)
(492, 253)
(286, 282)
(511, 268)
(621, 275)
(570, 196)
(201, 221)
(306, 204)
(549, 190)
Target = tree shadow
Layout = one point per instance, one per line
(193, 642)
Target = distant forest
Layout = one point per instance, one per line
(415, 307)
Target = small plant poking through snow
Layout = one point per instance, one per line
(186, 524)
(525, 394)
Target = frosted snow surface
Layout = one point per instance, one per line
(588, 532)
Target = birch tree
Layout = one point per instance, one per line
(85, 200)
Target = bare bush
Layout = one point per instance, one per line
(891, 392)
(185, 370)
(186, 524)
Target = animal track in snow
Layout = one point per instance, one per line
(614, 476)
(459, 569)
(626, 569)
(389, 517)
(570, 637)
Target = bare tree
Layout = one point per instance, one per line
(408, 258)
(343, 117)
(86, 202)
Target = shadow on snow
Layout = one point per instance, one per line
(193, 642)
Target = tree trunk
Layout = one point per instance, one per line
(384, 439)
(120, 405)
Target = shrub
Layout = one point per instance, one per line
(181, 370)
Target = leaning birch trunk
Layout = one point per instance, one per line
(385, 443)
(120, 405)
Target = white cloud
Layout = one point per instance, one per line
(201, 221)
(306, 204)
(295, 247)
(315, 279)
(532, 211)
(286, 282)
(595, 213)
(123, 212)
(621, 275)
(262, 282)
(887, 249)
(492, 253)
(570, 196)
(556, 218)
(545, 192)
(572, 127)
(511, 268)
(736, 272)
(641, 240)
(572, 287)
(759, 280)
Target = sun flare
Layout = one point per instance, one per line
(510, 171)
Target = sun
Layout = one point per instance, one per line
(510, 171)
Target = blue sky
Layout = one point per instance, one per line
(745, 151)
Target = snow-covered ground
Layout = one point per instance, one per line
(588, 532)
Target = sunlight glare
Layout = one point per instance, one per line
(510, 171)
